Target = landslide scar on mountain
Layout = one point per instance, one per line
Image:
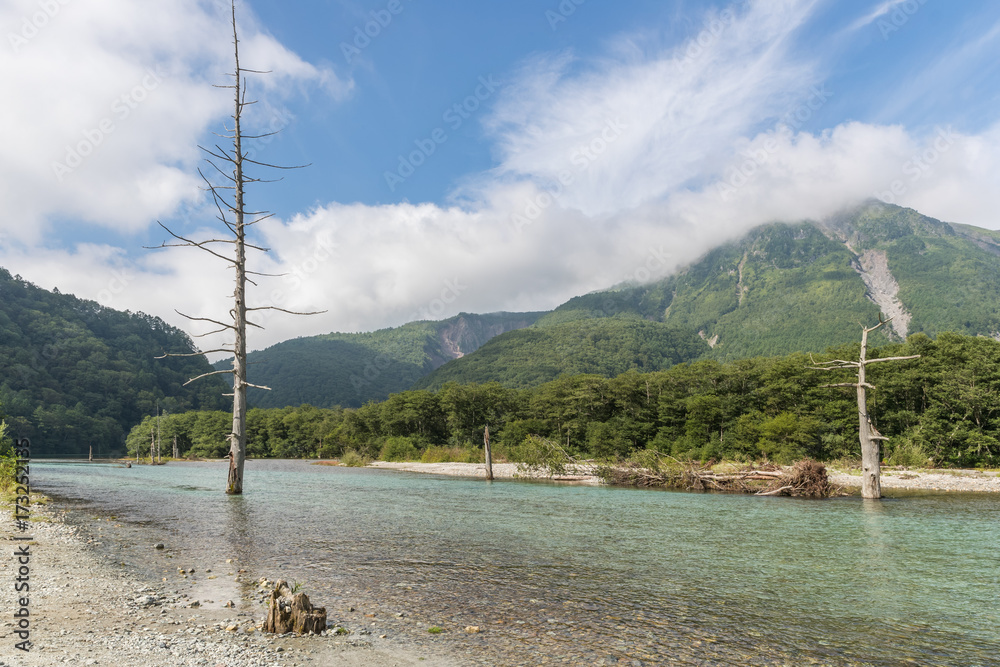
(465, 336)
(883, 289)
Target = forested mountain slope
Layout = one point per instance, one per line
(350, 369)
(74, 373)
(606, 346)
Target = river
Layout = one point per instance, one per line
(566, 574)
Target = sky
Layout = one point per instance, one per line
(471, 156)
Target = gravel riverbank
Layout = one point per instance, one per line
(964, 481)
(85, 609)
(500, 471)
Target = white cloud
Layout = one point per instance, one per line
(692, 168)
(375, 266)
(638, 127)
(110, 98)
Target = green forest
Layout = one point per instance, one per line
(942, 409)
(74, 373)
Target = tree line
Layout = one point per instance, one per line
(941, 409)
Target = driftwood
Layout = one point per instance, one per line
(292, 612)
(806, 478)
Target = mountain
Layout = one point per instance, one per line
(609, 347)
(782, 288)
(352, 369)
(74, 373)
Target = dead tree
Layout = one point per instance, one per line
(232, 212)
(487, 453)
(871, 485)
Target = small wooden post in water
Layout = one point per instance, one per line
(489, 456)
(176, 455)
(91, 457)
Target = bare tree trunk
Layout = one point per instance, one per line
(237, 225)
(871, 484)
(238, 438)
(157, 432)
(486, 451)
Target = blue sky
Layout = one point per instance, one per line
(548, 148)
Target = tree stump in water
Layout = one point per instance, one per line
(288, 612)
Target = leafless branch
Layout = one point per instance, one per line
(872, 361)
(195, 244)
(208, 333)
(191, 354)
(206, 319)
(290, 312)
(205, 375)
(256, 386)
(275, 166)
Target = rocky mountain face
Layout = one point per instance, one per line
(464, 334)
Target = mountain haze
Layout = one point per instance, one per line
(799, 287)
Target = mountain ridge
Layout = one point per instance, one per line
(803, 286)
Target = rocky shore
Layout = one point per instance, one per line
(962, 481)
(581, 475)
(86, 610)
(969, 481)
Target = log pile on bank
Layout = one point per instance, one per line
(805, 479)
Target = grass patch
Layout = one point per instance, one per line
(436, 454)
(435, 629)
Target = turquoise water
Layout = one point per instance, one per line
(579, 574)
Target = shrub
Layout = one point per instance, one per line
(908, 453)
(8, 463)
(535, 453)
(399, 448)
(352, 459)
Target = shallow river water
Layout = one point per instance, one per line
(557, 574)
